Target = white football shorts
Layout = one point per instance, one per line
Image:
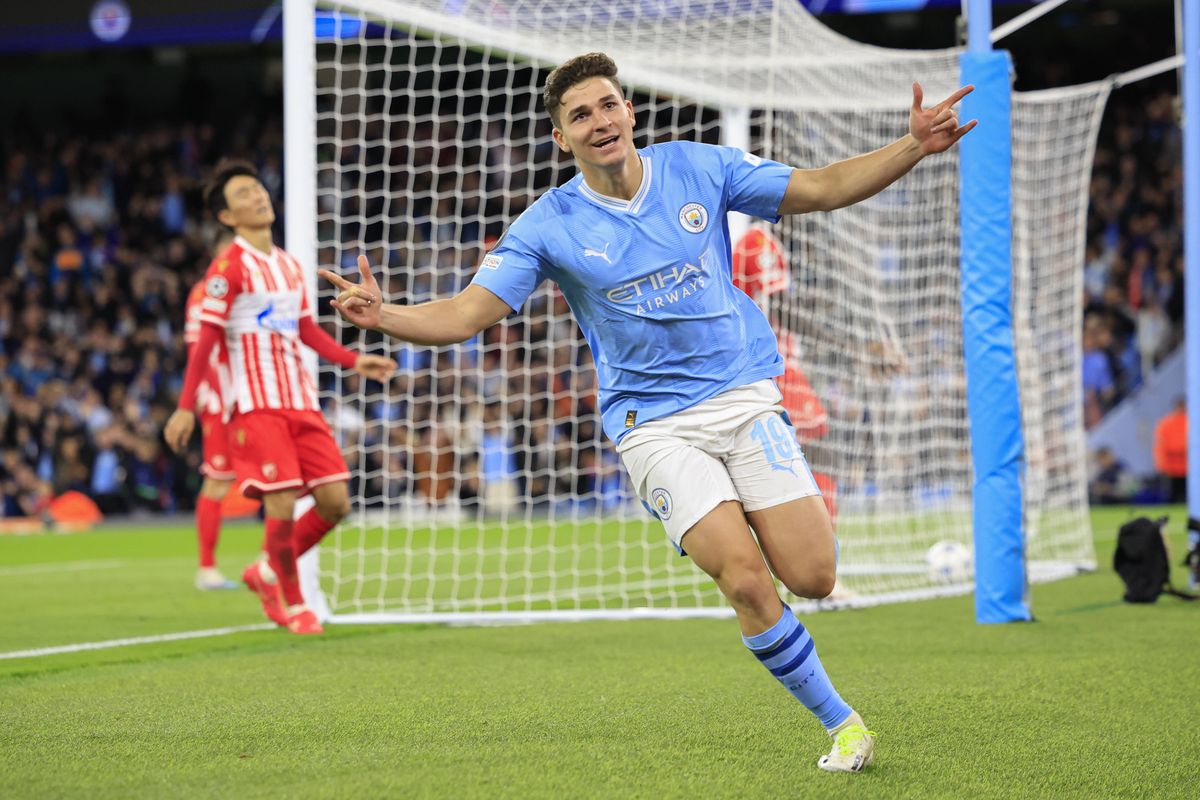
(739, 445)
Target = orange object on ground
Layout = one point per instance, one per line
(237, 504)
(74, 511)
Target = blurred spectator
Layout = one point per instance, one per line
(498, 466)
(1099, 387)
(108, 474)
(1170, 451)
(1110, 481)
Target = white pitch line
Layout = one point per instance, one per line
(61, 566)
(165, 637)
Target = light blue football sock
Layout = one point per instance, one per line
(787, 650)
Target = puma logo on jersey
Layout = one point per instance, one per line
(587, 251)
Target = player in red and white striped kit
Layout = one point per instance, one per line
(760, 270)
(280, 444)
(213, 401)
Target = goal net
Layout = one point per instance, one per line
(483, 486)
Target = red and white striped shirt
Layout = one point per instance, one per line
(215, 392)
(259, 299)
(760, 269)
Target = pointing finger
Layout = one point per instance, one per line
(954, 98)
(335, 279)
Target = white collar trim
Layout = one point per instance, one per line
(631, 206)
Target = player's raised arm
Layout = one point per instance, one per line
(930, 130)
(437, 323)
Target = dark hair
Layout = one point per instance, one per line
(577, 70)
(214, 192)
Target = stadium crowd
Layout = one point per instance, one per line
(101, 236)
(1133, 271)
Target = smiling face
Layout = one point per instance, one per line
(595, 124)
(247, 204)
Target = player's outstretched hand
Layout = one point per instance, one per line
(358, 304)
(179, 429)
(377, 368)
(937, 128)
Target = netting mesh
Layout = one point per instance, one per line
(1054, 138)
(483, 482)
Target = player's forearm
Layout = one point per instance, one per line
(436, 323)
(198, 355)
(325, 346)
(855, 179)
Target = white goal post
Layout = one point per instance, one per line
(484, 490)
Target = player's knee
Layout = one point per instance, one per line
(815, 583)
(279, 505)
(750, 589)
(333, 505)
(334, 509)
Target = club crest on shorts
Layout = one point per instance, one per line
(693, 217)
(269, 471)
(663, 505)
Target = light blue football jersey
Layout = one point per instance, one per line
(650, 280)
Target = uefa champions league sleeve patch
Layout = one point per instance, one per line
(216, 287)
(693, 217)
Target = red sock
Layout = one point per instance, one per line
(281, 555)
(208, 528)
(309, 530)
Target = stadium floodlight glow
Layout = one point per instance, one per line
(430, 140)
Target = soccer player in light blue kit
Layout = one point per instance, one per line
(639, 246)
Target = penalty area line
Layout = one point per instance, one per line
(110, 643)
(61, 566)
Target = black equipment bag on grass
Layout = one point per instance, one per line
(1141, 561)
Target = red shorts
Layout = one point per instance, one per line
(278, 450)
(215, 442)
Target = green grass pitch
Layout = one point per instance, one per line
(1095, 700)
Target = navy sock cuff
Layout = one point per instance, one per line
(763, 641)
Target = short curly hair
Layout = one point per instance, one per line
(577, 70)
